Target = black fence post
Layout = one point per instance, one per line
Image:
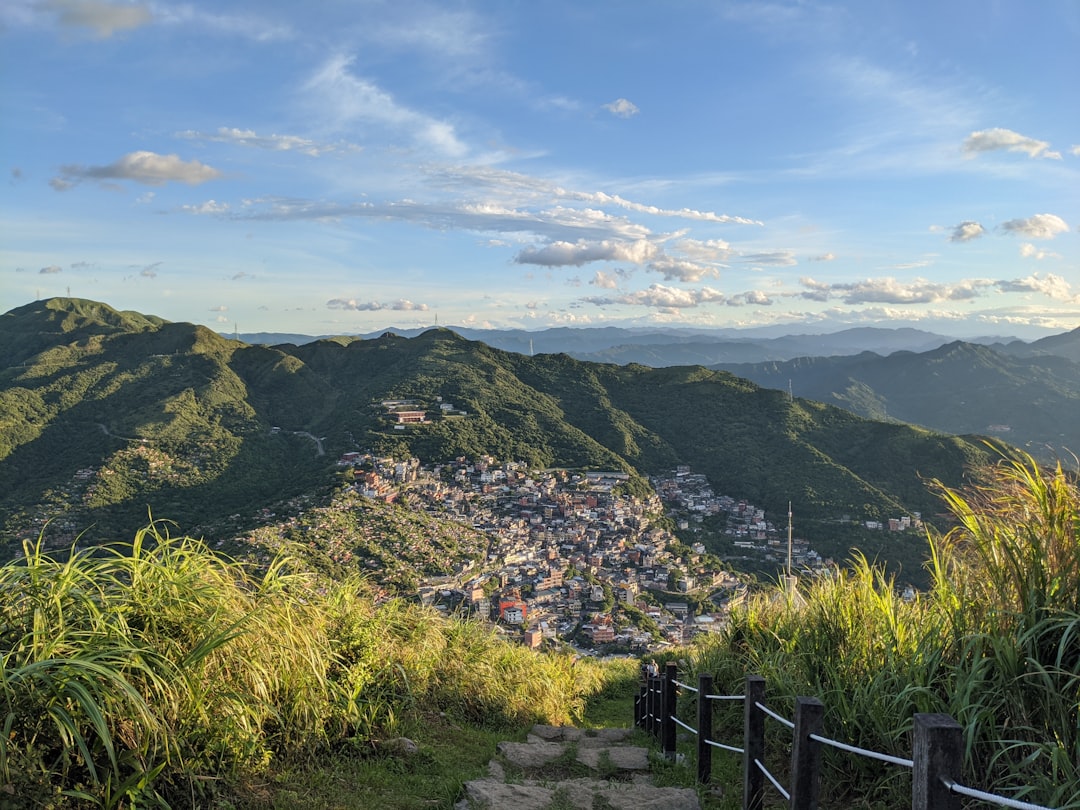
(937, 756)
(704, 727)
(667, 725)
(806, 754)
(753, 744)
(654, 706)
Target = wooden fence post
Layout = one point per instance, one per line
(937, 756)
(753, 744)
(667, 724)
(806, 754)
(704, 727)
(654, 706)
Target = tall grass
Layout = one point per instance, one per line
(995, 643)
(156, 672)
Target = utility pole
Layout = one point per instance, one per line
(789, 539)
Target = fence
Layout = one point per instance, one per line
(937, 746)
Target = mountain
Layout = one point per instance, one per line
(672, 347)
(1066, 345)
(104, 415)
(1032, 400)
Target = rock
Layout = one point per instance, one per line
(625, 758)
(530, 755)
(401, 746)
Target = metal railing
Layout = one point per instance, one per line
(937, 749)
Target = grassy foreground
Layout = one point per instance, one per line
(157, 673)
(995, 643)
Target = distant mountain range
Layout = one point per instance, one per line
(106, 414)
(673, 347)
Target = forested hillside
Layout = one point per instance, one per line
(1027, 394)
(106, 415)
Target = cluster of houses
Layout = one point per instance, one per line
(567, 550)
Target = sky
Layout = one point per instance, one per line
(339, 166)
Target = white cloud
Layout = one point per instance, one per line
(208, 207)
(1050, 285)
(348, 100)
(773, 258)
(824, 257)
(1029, 251)
(562, 254)
(622, 108)
(273, 142)
(104, 18)
(998, 139)
(52, 268)
(246, 26)
(682, 270)
(709, 250)
(606, 281)
(1040, 226)
(601, 198)
(892, 291)
(149, 168)
(401, 305)
(966, 231)
(662, 296)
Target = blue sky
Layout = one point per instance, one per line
(337, 167)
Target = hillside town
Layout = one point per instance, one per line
(573, 557)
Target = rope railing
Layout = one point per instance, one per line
(991, 798)
(863, 752)
(935, 764)
(774, 715)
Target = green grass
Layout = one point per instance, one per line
(995, 643)
(158, 672)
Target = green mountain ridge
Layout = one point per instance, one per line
(117, 413)
(1033, 400)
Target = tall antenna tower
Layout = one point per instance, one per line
(789, 539)
(790, 395)
(531, 352)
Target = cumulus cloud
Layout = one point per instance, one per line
(824, 257)
(606, 281)
(622, 108)
(219, 308)
(52, 268)
(272, 142)
(149, 168)
(682, 270)
(966, 231)
(998, 139)
(1040, 226)
(103, 18)
(1029, 251)
(575, 254)
(150, 270)
(662, 297)
(751, 298)
(351, 304)
(709, 250)
(891, 291)
(1050, 285)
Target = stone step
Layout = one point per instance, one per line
(588, 794)
(619, 774)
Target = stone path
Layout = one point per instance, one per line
(564, 768)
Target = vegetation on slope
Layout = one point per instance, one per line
(120, 414)
(159, 672)
(995, 643)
